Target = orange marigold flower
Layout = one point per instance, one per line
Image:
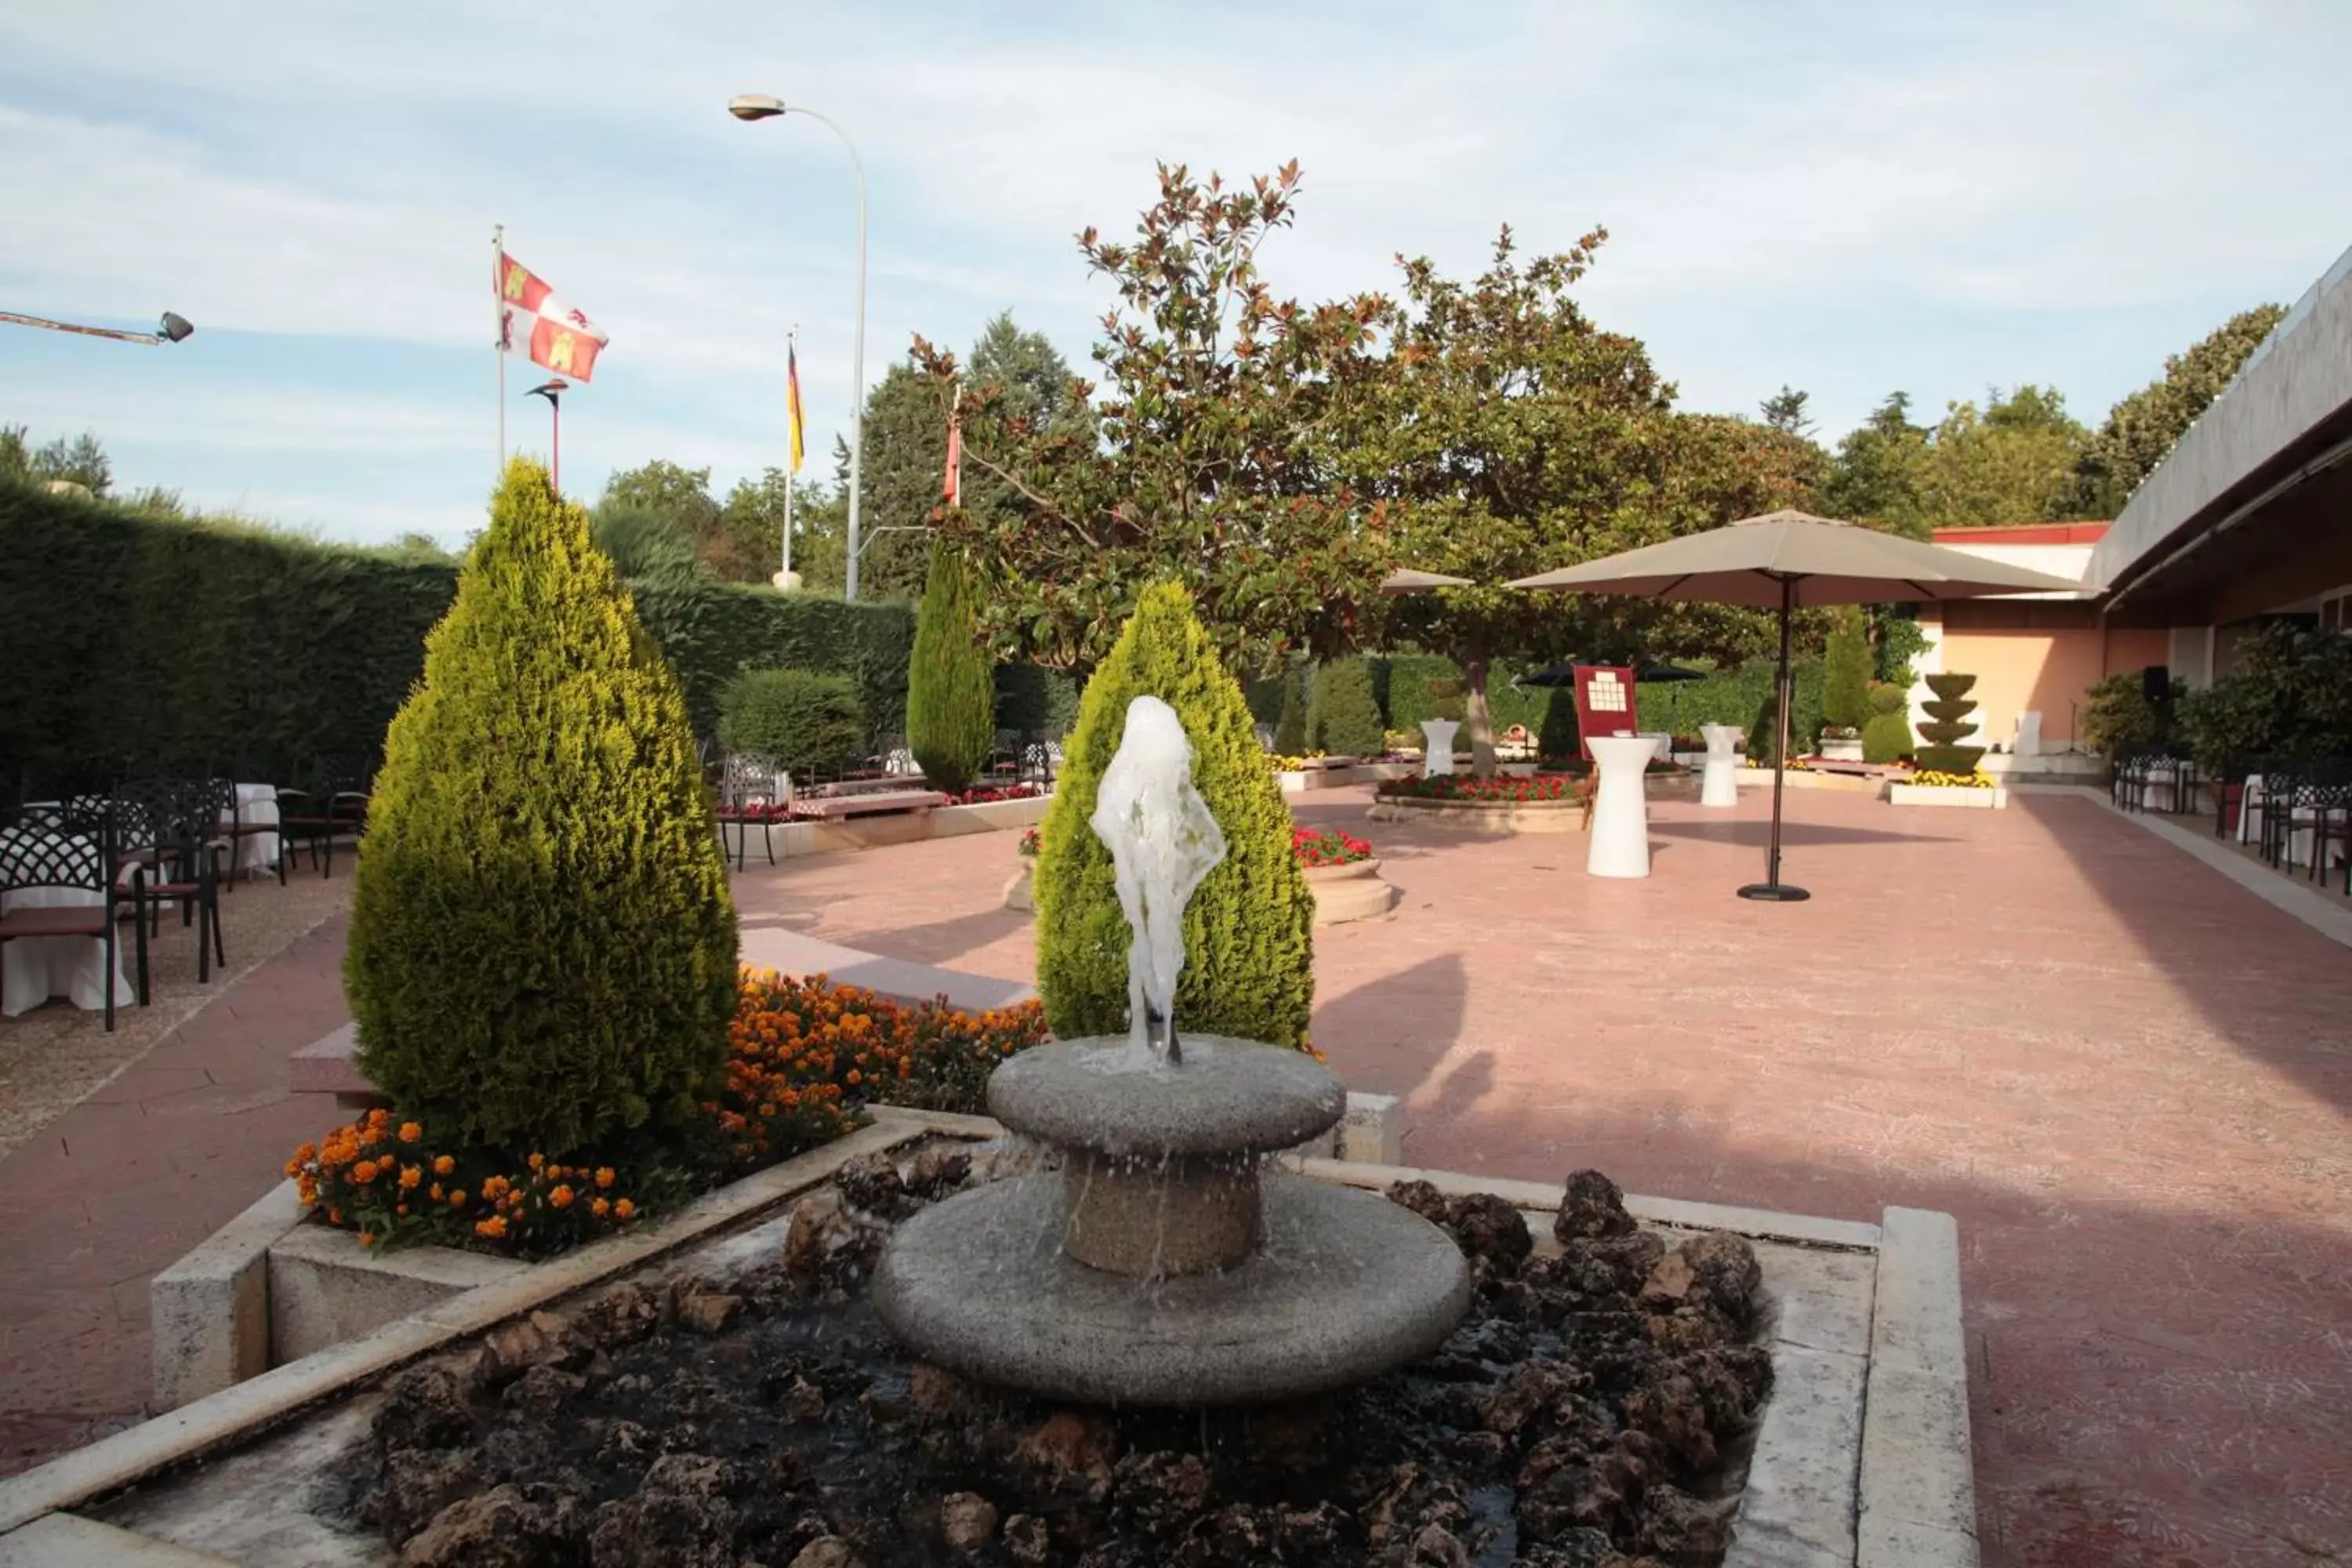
(409, 1177)
(536, 1161)
(400, 1208)
(434, 1192)
(444, 1164)
(367, 1239)
(560, 1197)
(410, 1132)
(623, 1208)
(307, 1152)
(492, 1228)
(604, 1175)
(600, 1208)
(334, 1216)
(457, 1198)
(365, 1172)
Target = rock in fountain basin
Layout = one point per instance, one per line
(1160, 1266)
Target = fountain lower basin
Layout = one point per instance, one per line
(1159, 1265)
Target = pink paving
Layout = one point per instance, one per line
(2127, 1078)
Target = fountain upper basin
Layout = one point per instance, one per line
(1227, 1097)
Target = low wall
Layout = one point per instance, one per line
(795, 840)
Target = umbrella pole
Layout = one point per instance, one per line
(1773, 889)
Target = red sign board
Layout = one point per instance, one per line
(1604, 702)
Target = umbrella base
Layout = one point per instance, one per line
(1775, 893)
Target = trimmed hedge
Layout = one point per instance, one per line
(1249, 941)
(951, 694)
(810, 723)
(542, 946)
(133, 639)
(1342, 717)
(1886, 737)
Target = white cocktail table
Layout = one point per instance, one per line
(1437, 738)
(1720, 780)
(1621, 806)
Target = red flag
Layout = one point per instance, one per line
(955, 491)
(556, 335)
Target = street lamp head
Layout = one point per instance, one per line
(552, 391)
(754, 106)
(175, 327)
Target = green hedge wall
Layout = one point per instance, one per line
(1726, 697)
(131, 638)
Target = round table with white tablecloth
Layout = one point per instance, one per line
(256, 806)
(34, 969)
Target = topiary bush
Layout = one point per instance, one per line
(810, 723)
(542, 946)
(1947, 726)
(1446, 701)
(1559, 737)
(1887, 735)
(950, 683)
(1249, 931)
(1845, 672)
(1290, 720)
(1343, 719)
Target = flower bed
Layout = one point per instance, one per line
(1504, 790)
(989, 794)
(1316, 846)
(804, 1056)
(1930, 779)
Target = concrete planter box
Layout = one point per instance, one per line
(1484, 816)
(1861, 1454)
(1349, 892)
(793, 840)
(1841, 751)
(1299, 781)
(1966, 799)
(1798, 778)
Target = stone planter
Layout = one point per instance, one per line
(1484, 816)
(1021, 892)
(1841, 751)
(1349, 892)
(1966, 798)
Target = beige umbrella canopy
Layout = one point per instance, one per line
(1407, 580)
(1790, 560)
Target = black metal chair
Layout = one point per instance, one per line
(334, 806)
(71, 848)
(175, 823)
(753, 792)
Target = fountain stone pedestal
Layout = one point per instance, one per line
(1161, 1264)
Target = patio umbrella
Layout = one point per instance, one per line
(1792, 560)
(1407, 580)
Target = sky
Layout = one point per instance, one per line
(1846, 198)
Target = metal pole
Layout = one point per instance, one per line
(499, 303)
(555, 457)
(1773, 889)
(856, 354)
(150, 338)
(791, 435)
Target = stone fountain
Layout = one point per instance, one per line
(1155, 1260)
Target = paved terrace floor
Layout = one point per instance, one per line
(2128, 1078)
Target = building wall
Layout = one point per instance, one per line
(2044, 670)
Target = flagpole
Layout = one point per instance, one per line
(498, 343)
(791, 435)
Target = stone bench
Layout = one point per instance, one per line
(867, 803)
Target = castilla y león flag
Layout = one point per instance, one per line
(555, 335)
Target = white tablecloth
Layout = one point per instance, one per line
(34, 969)
(256, 803)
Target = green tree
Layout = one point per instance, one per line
(1846, 675)
(542, 947)
(682, 496)
(2010, 464)
(950, 687)
(1876, 476)
(1033, 378)
(903, 476)
(1343, 719)
(16, 455)
(80, 460)
(1249, 943)
(1785, 411)
(1206, 460)
(1290, 719)
(2143, 427)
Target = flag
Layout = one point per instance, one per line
(556, 335)
(954, 490)
(793, 419)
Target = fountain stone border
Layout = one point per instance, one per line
(1862, 1457)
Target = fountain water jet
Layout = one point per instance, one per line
(1159, 1265)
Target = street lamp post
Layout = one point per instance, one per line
(172, 330)
(760, 105)
(554, 392)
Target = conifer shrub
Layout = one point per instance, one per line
(1845, 672)
(1249, 931)
(951, 680)
(810, 723)
(1290, 721)
(1344, 719)
(542, 945)
(1948, 725)
(1886, 736)
(1559, 737)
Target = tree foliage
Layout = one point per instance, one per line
(1846, 674)
(1343, 717)
(1785, 411)
(950, 691)
(1249, 946)
(2142, 428)
(808, 723)
(1205, 460)
(2008, 462)
(542, 947)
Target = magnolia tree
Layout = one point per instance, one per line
(1205, 460)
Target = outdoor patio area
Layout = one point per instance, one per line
(2125, 1075)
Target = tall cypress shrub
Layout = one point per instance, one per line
(950, 681)
(542, 945)
(1290, 721)
(1249, 931)
(1343, 719)
(1845, 672)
